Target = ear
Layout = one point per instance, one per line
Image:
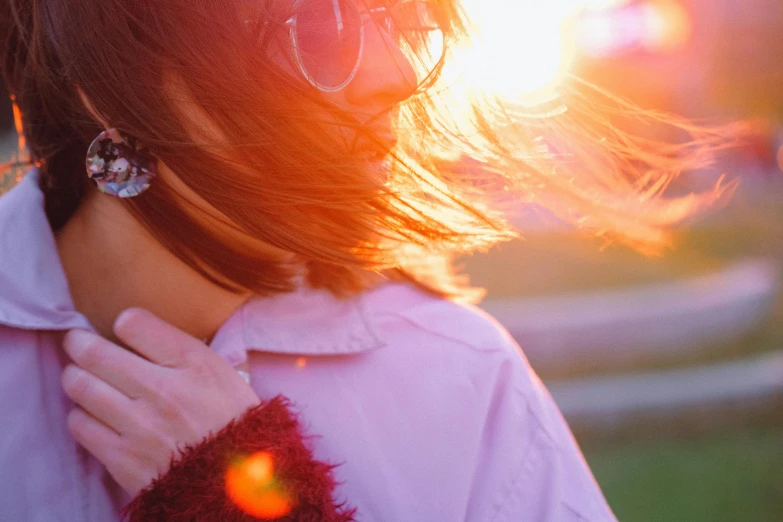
(98, 117)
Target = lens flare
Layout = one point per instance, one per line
(657, 26)
(251, 484)
(18, 126)
(518, 47)
(524, 48)
(668, 26)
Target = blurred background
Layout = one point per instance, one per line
(669, 369)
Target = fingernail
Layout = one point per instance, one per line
(76, 341)
(125, 316)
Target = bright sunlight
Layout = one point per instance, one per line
(522, 47)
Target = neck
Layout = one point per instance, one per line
(113, 263)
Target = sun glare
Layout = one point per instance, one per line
(252, 485)
(522, 47)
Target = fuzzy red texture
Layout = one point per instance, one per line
(194, 487)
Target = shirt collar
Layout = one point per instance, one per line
(307, 322)
(34, 295)
(33, 289)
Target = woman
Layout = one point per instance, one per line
(280, 180)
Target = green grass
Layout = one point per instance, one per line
(726, 478)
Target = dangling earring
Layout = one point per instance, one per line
(119, 165)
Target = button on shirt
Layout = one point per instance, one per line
(428, 408)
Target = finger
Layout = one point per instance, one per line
(159, 341)
(97, 398)
(97, 438)
(109, 448)
(116, 366)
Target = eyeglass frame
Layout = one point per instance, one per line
(365, 16)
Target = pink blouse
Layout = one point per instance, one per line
(429, 409)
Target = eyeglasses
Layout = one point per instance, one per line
(328, 36)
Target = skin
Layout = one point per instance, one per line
(131, 411)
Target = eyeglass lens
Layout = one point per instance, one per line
(328, 36)
(328, 39)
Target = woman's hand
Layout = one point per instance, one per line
(135, 411)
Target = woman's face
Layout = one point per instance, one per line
(383, 77)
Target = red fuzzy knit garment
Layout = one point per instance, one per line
(194, 487)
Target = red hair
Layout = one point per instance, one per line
(277, 176)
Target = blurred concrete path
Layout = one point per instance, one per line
(650, 323)
(697, 399)
(613, 396)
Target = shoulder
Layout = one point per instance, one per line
(400, 307)
(532, 467)
(458, 343)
